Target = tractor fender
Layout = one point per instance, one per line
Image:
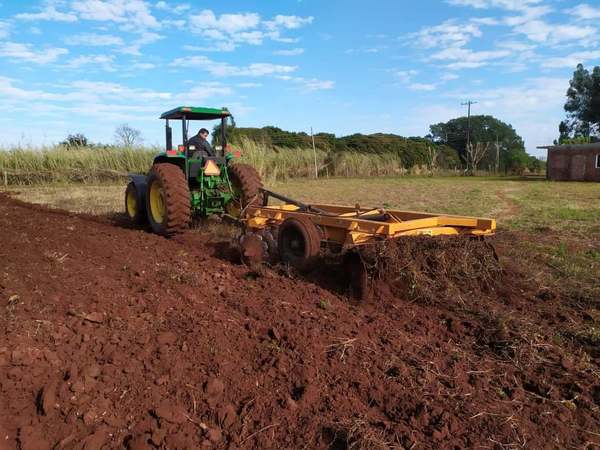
(141, 183)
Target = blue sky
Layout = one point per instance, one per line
(341, 66)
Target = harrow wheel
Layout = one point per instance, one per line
(168, 200)
(253, 250)
(359, 285)
(245, 184)
(299, 243)
(134, 205)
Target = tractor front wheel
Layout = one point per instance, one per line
(168, 200)
(245, 185)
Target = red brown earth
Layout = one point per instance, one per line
(117, 338)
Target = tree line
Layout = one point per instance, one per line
(582, 124)
(495, 145)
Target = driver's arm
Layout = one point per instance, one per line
(208, 148)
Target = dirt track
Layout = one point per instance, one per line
(116, 338)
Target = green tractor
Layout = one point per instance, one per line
(184, 182)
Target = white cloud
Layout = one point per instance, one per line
(249, 85)
(527, 15)
(275, 36)
(449, 77)
(103, 102)
(222, 46)
(226, 23)
(511, 5)
(201, 92)
(48, 13)
(515, 46)
(25, 52)
(94, 40)
(133, 14)
(422, 87)
(244, 28)
(103, 62)
(352, 51)
(35, 30)
(585, 12)
(463, 58)
(289, 22)
(291, 52)
(224, 69)
(571, 60)
(4, 29)
(449, 33)
(405, 76)
(486, 21)
(173, 23)
(142, 66)
(8, 91)
(314, 84)
(145, 38)
(308, 84)
(114, 90)
(543, 32)
(175, 9)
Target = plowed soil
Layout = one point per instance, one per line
(116, 338)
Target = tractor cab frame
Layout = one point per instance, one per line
(193, 166)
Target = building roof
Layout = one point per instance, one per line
(196, 113)
(594, 146)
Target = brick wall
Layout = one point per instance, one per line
(572, 164)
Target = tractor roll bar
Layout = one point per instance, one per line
(169, 133)
(184, 130)
(223, 135)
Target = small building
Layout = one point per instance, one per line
(576, 162)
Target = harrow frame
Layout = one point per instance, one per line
(353, 226)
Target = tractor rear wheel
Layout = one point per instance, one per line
(245, 184)
(168, 200)
(299, 243)
(134, 205)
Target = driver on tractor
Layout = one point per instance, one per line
(198, 146)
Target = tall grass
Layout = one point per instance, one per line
(92, 165)
(280, 164)
(60, 164)
(360, 164)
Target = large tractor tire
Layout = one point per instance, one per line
(246, 185)
(299, 243)
(168, 200)
(135, 206)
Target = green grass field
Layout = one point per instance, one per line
(517, 204)
(557, 224)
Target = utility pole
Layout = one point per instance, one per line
(314, 153)
(468, 104)
(497, 155)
